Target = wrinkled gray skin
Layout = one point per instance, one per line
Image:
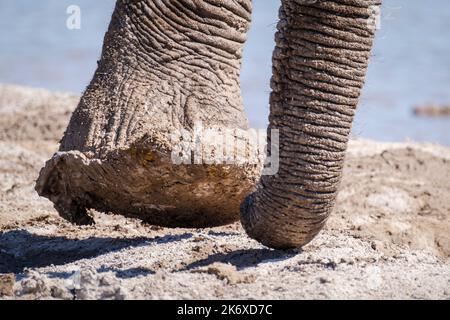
(170, 63)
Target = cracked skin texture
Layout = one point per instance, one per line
(169, 64)
(165, 66)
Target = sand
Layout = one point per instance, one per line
(387, 239)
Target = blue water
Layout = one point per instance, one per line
(410, 65)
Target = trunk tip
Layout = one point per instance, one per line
(271, 232)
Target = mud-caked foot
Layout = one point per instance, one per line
(54, 183)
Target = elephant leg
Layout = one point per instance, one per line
(166, 66)
(319, 65)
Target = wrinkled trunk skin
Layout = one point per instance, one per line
(165, 65)
(319, 65)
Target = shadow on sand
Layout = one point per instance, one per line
(20, 249)
(242, 259)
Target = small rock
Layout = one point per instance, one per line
(108, 280)
(228, 273)
(61, 293)
(35, 285)
(7, 282)
(88, 277)
(324, 280)
(199, 238)
(374, 246)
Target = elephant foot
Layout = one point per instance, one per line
(141, 182)
(165, 67)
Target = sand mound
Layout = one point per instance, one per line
(34, 114)
(388, 237)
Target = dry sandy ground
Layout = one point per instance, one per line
(388, 237)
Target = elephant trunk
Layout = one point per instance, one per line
(319, 66)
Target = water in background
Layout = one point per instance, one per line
(411, 63)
